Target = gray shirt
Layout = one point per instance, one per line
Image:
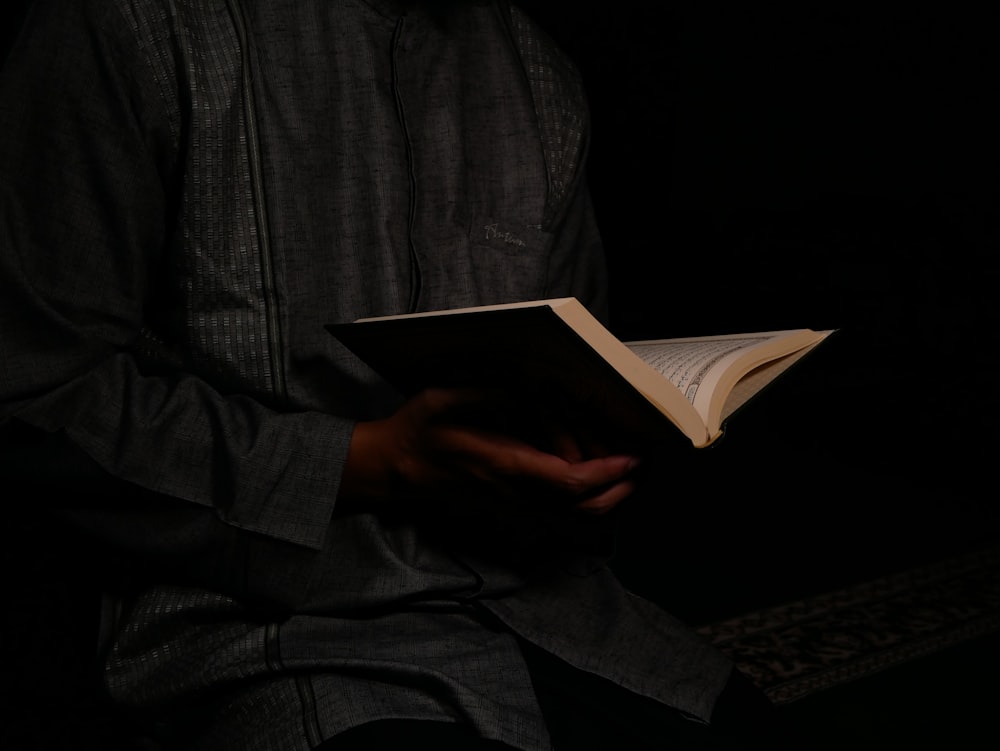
(190, 191)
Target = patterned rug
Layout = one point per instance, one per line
(800, 648)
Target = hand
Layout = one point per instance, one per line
(444, 445)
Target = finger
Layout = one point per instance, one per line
(493, 456)
(608, 498)
(583, 478)
(496, 457)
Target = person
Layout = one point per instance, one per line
(299, 558)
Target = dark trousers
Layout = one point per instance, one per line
(586, 713)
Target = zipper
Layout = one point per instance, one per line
(415, 277)
(263, 225)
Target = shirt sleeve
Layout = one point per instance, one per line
(86, 167)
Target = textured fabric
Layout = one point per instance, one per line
(190, 190)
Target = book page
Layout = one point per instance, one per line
(754, 381)
(688, 363)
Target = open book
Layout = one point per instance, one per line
(557, 351)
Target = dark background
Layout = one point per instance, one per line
(832, 167)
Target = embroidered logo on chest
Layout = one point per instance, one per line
(494, 233)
